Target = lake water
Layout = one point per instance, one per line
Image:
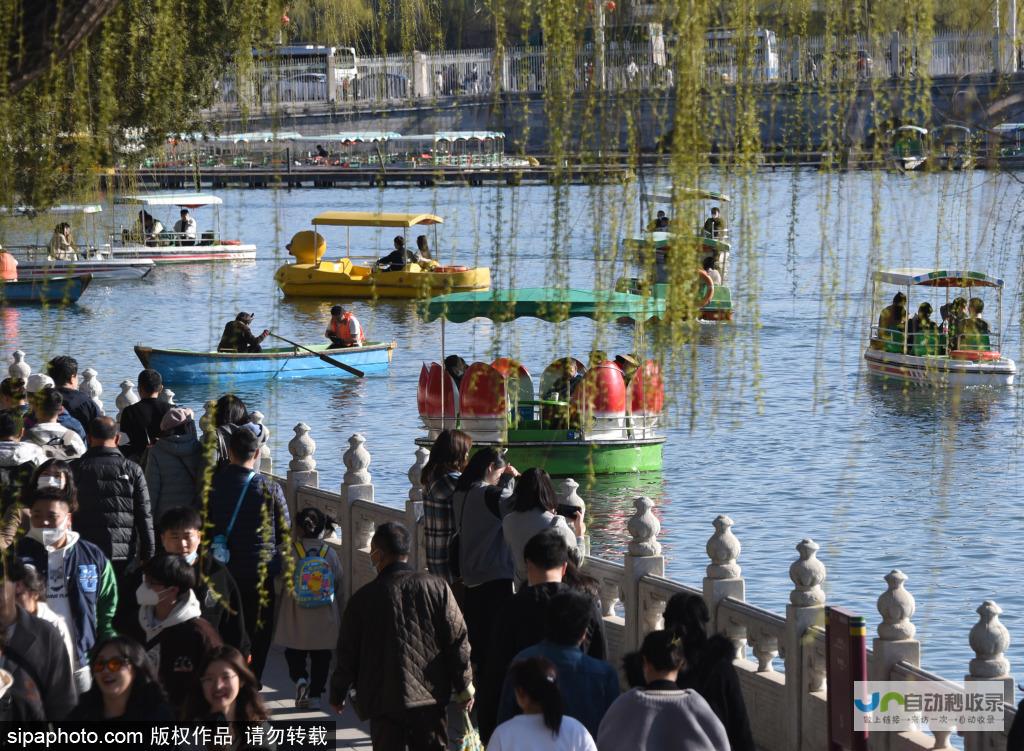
(774, 421)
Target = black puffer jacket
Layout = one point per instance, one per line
(403, 644)
(113, 505)
(712, 675)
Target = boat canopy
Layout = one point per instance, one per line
(936, 278)
(373, 219)
(547, 303)
(1008, 127)
(915, 128)
(467, 135)
(187, 200)
(364, 137)
(687, 194)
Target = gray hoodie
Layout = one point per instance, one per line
(173, 469)
(484, 555)
(16, 453)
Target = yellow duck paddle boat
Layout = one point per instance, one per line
(311, 276)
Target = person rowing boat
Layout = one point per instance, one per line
(238, 337)
(344, 329)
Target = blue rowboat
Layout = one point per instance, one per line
(54, 290)
(180, 366)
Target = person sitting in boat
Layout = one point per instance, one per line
(974, 329)
(149, 228)
(893, 317)
(954, 316)
(921, 329)
(238, 337)
(8, 266)
(714, 226)
(422, 247)
(560, 390)
(709, 267)
(61, 247)
(399, 258)
(660, 223)
(344, 329)
(628, 364)
(456, 368)
(185, 229)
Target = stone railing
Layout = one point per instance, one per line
(787, 707)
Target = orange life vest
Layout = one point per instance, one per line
(347, 330)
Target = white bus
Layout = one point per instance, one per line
(721, 55)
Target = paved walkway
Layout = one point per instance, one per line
(279, 694)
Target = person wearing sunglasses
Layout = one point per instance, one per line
(124, 686)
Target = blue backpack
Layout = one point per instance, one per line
(314, 579)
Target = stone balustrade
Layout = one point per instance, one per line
(787, 707)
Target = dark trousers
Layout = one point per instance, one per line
(259, 622)
(483, 603)
(420, 729)
(319, 664)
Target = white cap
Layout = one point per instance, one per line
(38, 382)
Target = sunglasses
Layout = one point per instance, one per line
(114, 665)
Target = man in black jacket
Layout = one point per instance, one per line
(250, 546)
(404, 647)
(33, 652)
(141, 421)
(520, 622)
(64, 372)
(113, 501)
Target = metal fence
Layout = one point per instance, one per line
(621, 67)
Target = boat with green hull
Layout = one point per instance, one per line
(575, 420)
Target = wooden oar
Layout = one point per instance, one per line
(329, 360)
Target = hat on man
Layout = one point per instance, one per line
(38, 382)
(336, 310)
(627, 360)
(175, 418)
(245, 317)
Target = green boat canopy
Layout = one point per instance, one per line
(547, 303)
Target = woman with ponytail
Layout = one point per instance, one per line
(543, 725)
(661, 716)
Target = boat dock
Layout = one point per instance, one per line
(319, 176)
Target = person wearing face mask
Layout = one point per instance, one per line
(31, 652)
(177, 637)
(181, 533)
(80, 582)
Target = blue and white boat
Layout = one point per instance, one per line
(180, 366)
(53, 290)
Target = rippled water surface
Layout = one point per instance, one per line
(786, 434)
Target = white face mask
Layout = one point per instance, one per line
(146, 595)
(47, 536)
(190, 558)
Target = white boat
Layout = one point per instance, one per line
(35, 262)
(908, 149)
(930, 357)
(173, 247)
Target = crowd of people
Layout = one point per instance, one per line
(961, 323)
(146, 574)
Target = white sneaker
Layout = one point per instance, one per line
(302, 693)
(316, 703)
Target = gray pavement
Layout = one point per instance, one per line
(279, 694)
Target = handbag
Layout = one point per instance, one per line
(470, 737)
(219, 546)
(454, 543)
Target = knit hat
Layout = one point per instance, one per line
(175, 418)
(38, 382)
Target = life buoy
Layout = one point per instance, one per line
(449, 269)
(709, 283)
(974, 355)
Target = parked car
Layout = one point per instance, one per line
(301, 87)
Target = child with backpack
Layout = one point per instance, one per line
(310, 613)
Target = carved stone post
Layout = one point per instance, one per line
(357, 485)
(302, 467)
(266, 457)
(18, 367)
(90, 386)
(643, 558)
(806, 608)
(567, 496)
(895, 640)
(723, 577)
(414, 510)
(167, 396)
(126, 398)
(989, 639)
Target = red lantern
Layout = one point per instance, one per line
(610, 6)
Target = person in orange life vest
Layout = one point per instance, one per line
(344, 329)
(8, 266)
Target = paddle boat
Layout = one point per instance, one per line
(168, 246)
(908, 148)
(311, 276)
(180, 366)
(54, 290)
(714, 302)
(955, 148)
(30, 245)
(958, 353)
(608, 424)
